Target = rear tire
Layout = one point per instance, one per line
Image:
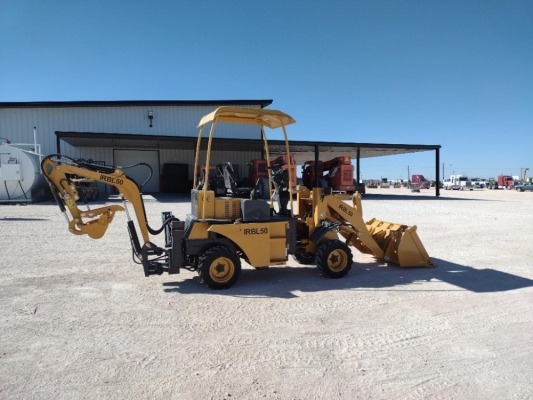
(334, 259)
(304, 258)
(219, 267)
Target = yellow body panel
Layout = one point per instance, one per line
(263, 243)
(227, 208)
(199, 231)
(216, 207)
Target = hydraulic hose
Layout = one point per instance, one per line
(158, 231)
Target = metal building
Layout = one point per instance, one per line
(125, 132)
(162, 134)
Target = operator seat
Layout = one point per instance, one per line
(230, 182)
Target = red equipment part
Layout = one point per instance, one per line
(340, 173)
(257, 169)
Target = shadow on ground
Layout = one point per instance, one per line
(18, 219)
(381, 196)
(172, 198)
(282, 281)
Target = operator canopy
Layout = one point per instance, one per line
(270, 118)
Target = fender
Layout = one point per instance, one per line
(197, 247)
(320, 232)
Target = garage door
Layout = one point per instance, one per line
(139, 174)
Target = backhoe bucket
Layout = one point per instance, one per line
(400, 243)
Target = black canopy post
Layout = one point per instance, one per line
(437, 175)
(317, 153)
(58, 144)
(358, 165)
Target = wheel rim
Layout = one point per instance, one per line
(221, 270)
(337, 260)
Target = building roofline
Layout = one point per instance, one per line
(121, 103)
(295, 145)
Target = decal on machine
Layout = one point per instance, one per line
(256, 231)
(110, 179)
(346, 210)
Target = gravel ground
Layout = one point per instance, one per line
(79, 320)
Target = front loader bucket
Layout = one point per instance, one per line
(390, 242)
(400, 243)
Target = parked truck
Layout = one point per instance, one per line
(479, 183)
(384, 183)
(418, 181)
(502, 182)
(458, 182)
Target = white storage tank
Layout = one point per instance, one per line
(20, 173)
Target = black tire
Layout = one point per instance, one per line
(334, 259)
(219, 267)
(304, 258)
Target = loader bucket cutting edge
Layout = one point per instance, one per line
(400, 243)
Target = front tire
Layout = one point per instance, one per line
(219, 267)
(334, 259)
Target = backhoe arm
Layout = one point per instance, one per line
(62, 173)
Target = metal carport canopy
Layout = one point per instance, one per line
(305, 150)
(302, 150)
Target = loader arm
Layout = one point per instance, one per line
(349, 222)
(391, 242)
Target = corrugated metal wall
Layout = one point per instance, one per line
(16, 124)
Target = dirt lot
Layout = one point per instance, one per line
(79, 320)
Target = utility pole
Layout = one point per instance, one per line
(408, 175)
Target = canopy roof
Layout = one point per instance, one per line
(263, 117)
(302, 150)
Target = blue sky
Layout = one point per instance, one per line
(454, 73)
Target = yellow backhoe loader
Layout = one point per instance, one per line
(222, 230)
